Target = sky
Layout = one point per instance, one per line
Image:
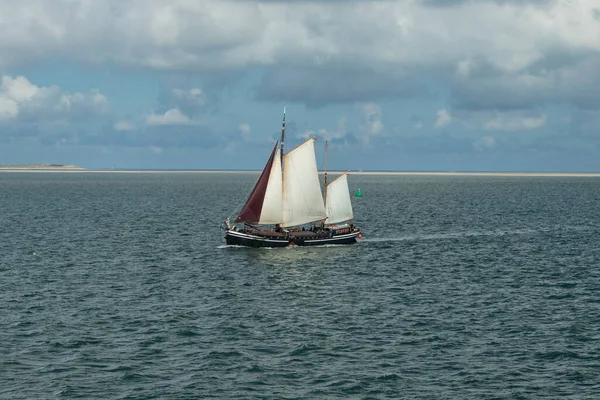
(404, 85)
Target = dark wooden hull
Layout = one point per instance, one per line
(264, 239)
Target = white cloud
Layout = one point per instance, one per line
(22, 101)
(221, 33)
(193, 96)
(230, 148)
(405, 38)
(464, 68)
(514, 123)
(124, 126)
(170, 117)
(443, 118)
(9, 108)
(245, 131)
(373, 124)
(326, 134)
(486, 142)
(155, 149)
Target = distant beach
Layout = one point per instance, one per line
(74, 168)
(556, 174)
(40, 167)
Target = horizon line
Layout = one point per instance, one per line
(351, 172)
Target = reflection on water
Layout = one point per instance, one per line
(298, 255)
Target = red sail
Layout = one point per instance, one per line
(253, 206)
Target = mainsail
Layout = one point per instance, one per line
(302, 198)
(265, 195)
(339, 205)
(290, 198)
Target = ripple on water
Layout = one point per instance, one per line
(120, 286)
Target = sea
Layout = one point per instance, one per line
(120, 286)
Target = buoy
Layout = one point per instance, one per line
(358, 193)
(360, 235)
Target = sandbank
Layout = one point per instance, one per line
(74, 169)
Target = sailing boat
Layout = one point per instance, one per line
(286, 206)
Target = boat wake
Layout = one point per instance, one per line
(231, 246)
(454, 235)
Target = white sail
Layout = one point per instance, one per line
(272, 208)
(302, 197)
(339, 206)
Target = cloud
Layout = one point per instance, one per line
(193, 95)
(486, 142)
(331, 135)
(150, 137)
(443, 118)
(339, 52)
(372, 113)
(170, 117)
(245, 131)
(318, 86)
(443, 143)
(515, 123)
(546, 82)
(190, 102)
(155, 149)
(22, 101)
(488, 54)
(464, 68)
(124, 126)
(416, 121)
(372, 122)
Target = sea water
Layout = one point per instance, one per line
(119, 285)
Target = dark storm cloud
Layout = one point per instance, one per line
(320, 86)
(555, 79)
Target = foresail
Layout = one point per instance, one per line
(302, 198)
(272, 212)
(251, 211)
(339, 205)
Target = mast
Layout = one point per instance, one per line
(282, 135)
(325, 175)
